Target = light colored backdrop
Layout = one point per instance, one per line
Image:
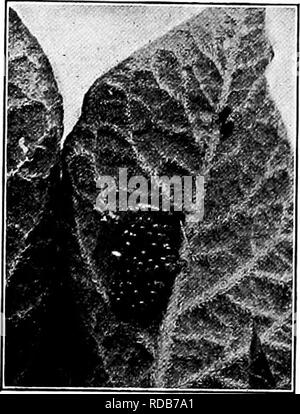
(83, 41)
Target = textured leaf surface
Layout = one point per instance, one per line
(34, 130)
(193, 102)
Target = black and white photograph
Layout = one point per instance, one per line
(149, 197)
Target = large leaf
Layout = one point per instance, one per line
(195, 102)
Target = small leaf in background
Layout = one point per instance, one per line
(34, 131)
(34, 123)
